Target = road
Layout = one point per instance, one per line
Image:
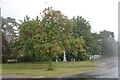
(109, 69)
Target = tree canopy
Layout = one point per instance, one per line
(53, 33)
(50, 35)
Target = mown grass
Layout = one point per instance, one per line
(40, 69)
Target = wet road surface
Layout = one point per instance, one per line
(109, 69)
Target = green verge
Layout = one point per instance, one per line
(40, 69)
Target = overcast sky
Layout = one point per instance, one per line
(102, 14)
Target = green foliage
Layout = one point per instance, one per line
(7, 36)
(54, 33)
(108, 44)
(25, 42)
(77, 45)
(82, 28)
(95, 47)
(106, 34)
(47, 36)
(53, 36)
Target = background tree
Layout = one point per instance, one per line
(95, 46)
(108, 43)
(25, 43)
(82, 28)
(8, 35)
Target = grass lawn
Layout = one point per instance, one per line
(40, 69)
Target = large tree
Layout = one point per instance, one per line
(35, 36)
(54, 32)
(49, 35)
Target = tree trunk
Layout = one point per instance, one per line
(50, 67)
(33, 57)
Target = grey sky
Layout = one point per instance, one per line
(102, 14)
